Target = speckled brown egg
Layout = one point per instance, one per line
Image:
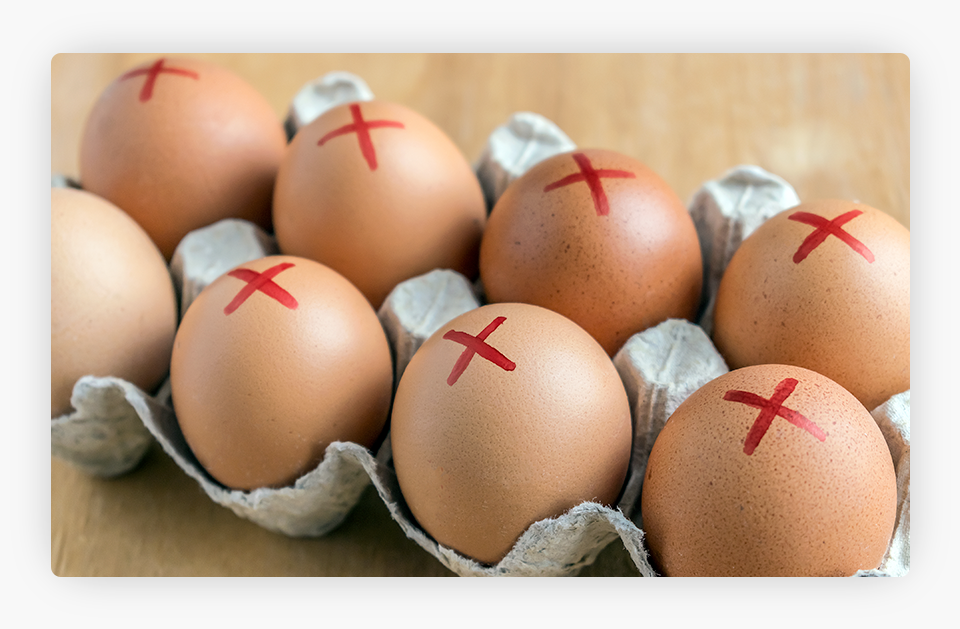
(380, 194)
(275, 360)
(113, 310)
(826, 286)
(507, 415)
(598, 237)
(769, 470)
(180, 143)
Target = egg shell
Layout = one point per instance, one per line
(510, 443)
(380, 194)
(113, 310)
(274, 361)
(723, 497)
(617, 254)
(181, 145)
(839, 309)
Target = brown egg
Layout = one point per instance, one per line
(598, 237)
(507, 415)
(826, 286)
(113, 309)
(769, 470)
(275, 360)
(380, 194)
(179, 144)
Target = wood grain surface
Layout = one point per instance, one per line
(831, 125)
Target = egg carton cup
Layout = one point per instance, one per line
(105, 435)
(524, 140)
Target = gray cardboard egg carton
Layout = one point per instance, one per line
(660, 367)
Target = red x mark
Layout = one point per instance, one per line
(362, 128)
(476, 345)
(769, 410)
(152, 73)
(826, 228)
(592, 177)
(262, 282)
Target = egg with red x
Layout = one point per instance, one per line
(180, 143)
(380, 194)
(274, 361)
(598, 237)
(826, 286)
(770, 470)
(507, 415)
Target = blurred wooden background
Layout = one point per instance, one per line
(833, 126)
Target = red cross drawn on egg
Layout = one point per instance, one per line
(591, 177)
(770, 409)
(362, 128)
(826, 228)
(155, 70)
(262, 282)
(477, 345)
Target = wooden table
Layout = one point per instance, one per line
(831, 125)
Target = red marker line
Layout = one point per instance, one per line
(262, 282)
(477, 345)
(362, 128)
(770, 409)
(152, 73)
(827, 228)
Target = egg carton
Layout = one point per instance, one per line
(660, 367)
